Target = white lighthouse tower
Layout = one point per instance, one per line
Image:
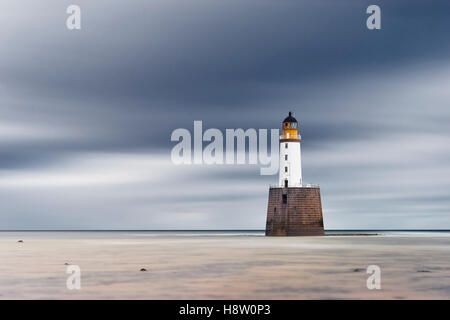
(290, 154)
(294, 208)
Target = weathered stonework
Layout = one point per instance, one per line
(294, 211)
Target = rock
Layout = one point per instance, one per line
(66, 264)
(20, 241)
(143, 269)
(358, 270)
(423, 271)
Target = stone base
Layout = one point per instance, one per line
(294, 211)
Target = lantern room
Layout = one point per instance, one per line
(290, 128)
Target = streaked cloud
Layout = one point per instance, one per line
(86, 116)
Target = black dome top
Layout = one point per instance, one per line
(290, 118)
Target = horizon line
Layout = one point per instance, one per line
(172, 230)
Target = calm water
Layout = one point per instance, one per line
(62, 234)
(217, 264)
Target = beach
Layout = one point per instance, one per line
(223, 265)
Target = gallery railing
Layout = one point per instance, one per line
(308, 185)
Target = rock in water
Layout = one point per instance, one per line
(20, 241)
(143, 269)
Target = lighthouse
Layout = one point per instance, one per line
(294, 208)
(290, 154)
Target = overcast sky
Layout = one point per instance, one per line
(86, 115)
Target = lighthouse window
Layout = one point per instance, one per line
(285, 169)
(285, 145)
(285, 157)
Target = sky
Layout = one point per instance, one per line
(86, 115)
